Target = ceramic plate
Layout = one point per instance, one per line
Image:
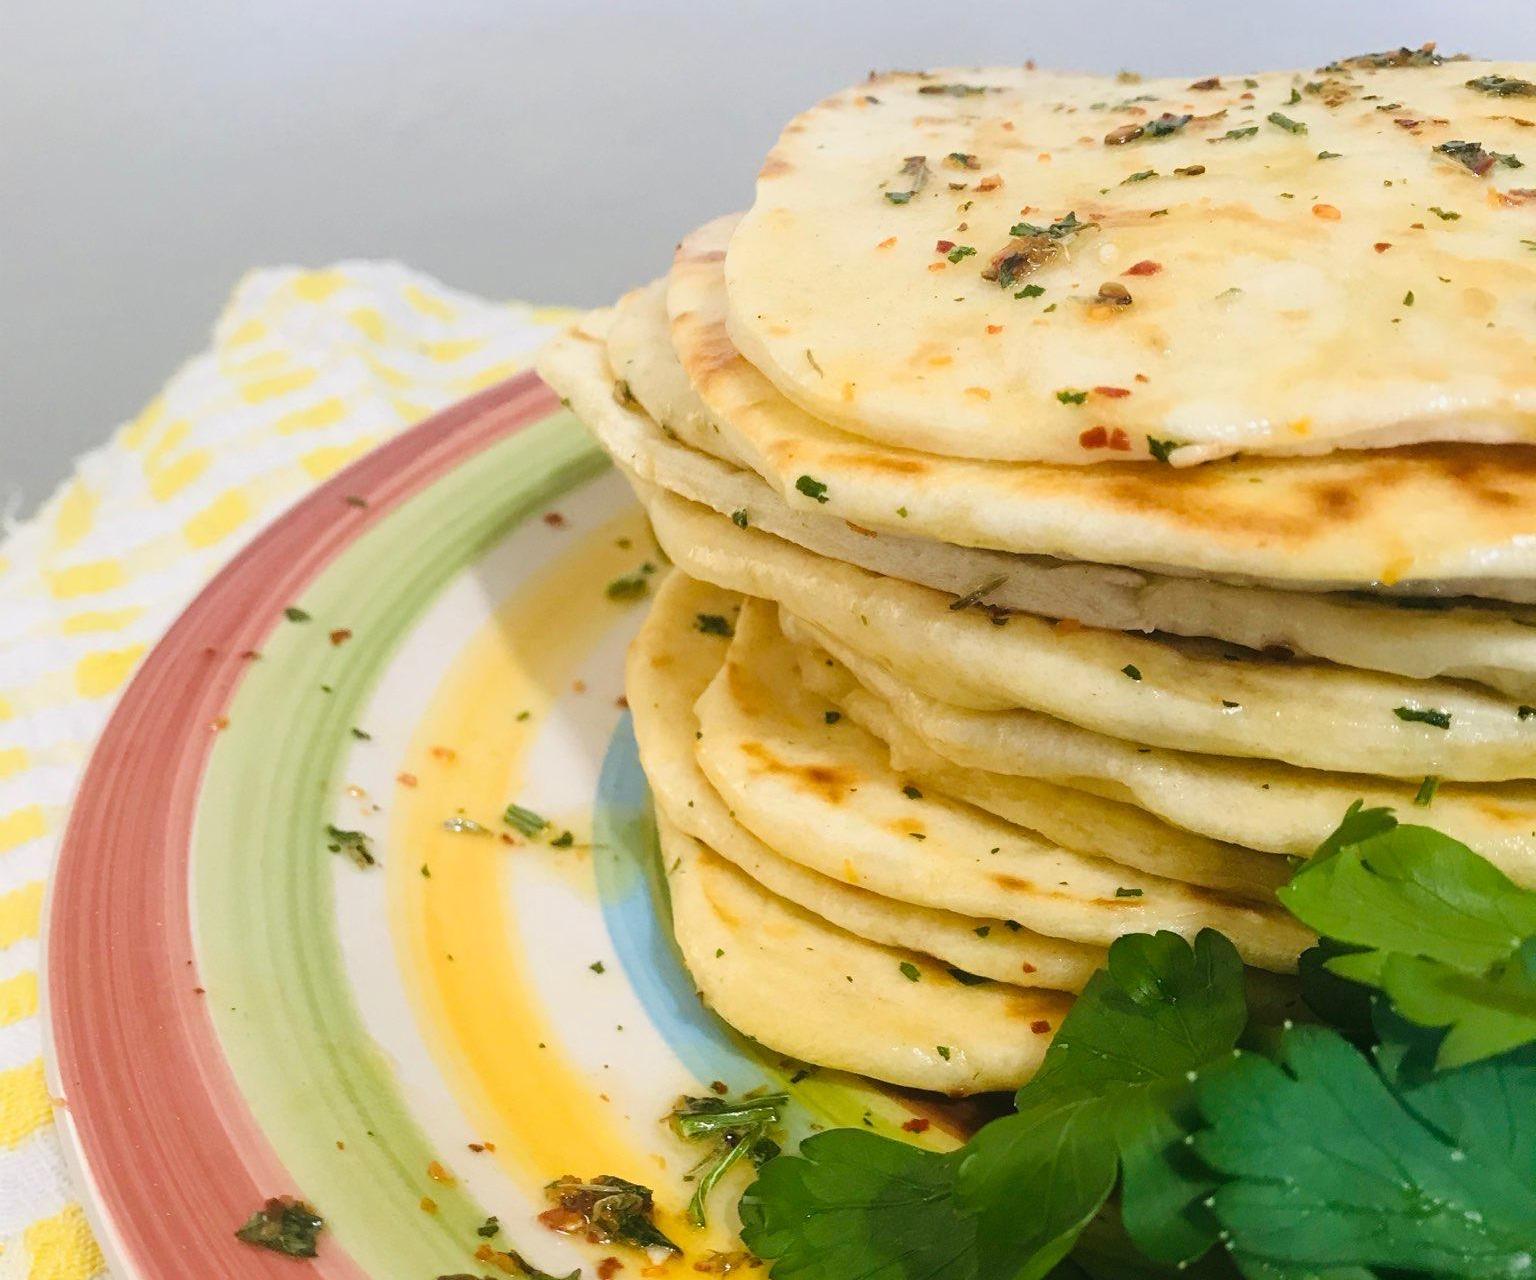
(239, 1010)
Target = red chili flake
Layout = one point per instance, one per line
(1141, 377)
(1028, 968)
(943, 246)
(251, 655)
(210, 652)
(886, 243)
(446, 754)
(1094, 438)
(994, 328)
(428, 1205)
(1328, 212)
(720, 1087)
(608, 1268)
(990, 183)
(406, 779)
(1039, 1026)
(477, 1147)
(1119, 441)
(199, 991)
(340, 636)
(437, 1173)
(917, 1124)
(1381, 246)
(1146, 267)
(1113, 393)
(219, 724)
(554, 520)
(621, 702)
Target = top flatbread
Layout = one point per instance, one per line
(1326, 259)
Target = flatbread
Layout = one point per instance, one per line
(1254, 803)
(1446, 519)
(1182, 694)
(1071, 817)
(670, 665)
(825, 795)
(1494, 645)
(1265, 317)
(807, 989)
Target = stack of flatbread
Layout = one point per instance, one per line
(1082, 490)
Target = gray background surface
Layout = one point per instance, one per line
(152, 150)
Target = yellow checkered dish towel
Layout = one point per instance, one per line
(308, 369)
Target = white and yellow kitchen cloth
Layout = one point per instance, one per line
(307, 370)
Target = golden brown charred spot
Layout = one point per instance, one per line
(1215, 496)
(886, 463)
(908, 827)
(833, 783)
(704, 346)
(1014, 884)
(775, 167)
(1335, 501)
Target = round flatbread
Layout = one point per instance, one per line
(1185, 695)
(1446, 519)
(1291, 262)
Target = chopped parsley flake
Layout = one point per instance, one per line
(1030, 291)
(362, 735)
(1420, 715)
(911, 792)
(1525, 713)
(715, 624)
(812, 488)
(1068, 396)
(1445, 215)
(524, 820)
(294, 614)
(564, 840)
(1408, 298)
(1234, 135)
(958, 90)
(831, 717)
(1123, 892)
(284, 1225)
(1426, 792)
(1140, 176)
(942, 1050)
(355, 844)
(1503, 86)
(1131, 670)
(1328, 155)
(739, 518)
(909, 971)
(597, 966)
(1286, 123)
(959, 252)
(629, 586)
(915, 170)
(1472, 156)
(1162, 449)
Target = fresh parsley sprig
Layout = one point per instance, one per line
(1443, 933)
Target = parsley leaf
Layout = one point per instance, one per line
(1442, 932)
(856, 1204)
(1116, 1070)
(1329, 1168)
